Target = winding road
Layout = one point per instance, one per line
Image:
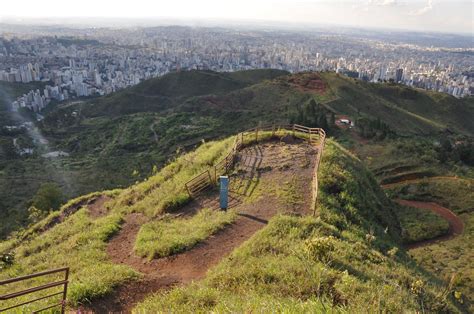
(426, 179)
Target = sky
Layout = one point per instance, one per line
(421, 15)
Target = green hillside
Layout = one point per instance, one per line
(347, 258)
(406, 110)
(118, 139)
(342, 261)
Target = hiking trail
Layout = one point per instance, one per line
(260, 171)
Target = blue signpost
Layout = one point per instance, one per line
(224, 199)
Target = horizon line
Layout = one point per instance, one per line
(165, 21)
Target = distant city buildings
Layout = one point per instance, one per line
(109, 59)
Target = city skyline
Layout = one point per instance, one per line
(417, 15)
(112, 59)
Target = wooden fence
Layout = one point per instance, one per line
(50, 285)
(209, 178)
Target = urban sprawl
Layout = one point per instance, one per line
(91, 62)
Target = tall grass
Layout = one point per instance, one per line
(166, 190)
(170, 236)
(79, 242)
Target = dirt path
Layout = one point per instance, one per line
(96, 208)
(268, 162)
(179, 269)
(456, 226)
(417, 180)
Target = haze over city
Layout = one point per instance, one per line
(454, 16)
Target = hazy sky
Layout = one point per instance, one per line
(429, 15)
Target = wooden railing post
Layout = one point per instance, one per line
(210, 178)
(187, 189)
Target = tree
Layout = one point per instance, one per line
(333, 119)
(48, 197)
(311, 114)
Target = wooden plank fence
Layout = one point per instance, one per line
(314, 136)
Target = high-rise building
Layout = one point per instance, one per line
(398, 75)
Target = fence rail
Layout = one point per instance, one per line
(50, 285)
(315, 136)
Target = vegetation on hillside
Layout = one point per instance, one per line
(453, 257)
(347, 259)
(82, 238)
(394, 160)
(420, 224)
(173, 235)
(405, 110)
(312, 115)
(118, 139)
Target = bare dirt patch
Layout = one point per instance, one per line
(96, 207)
(309, 82)
(259, 169)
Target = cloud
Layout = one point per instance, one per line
(364, 6)
(424, 10)
(382, 2)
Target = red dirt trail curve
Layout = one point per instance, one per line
(456, 226)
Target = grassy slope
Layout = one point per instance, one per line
(415, 158)
(113, 136)
(395, 160)
(405, 110)
(453, 257)
(83, 239)
(420, 224)
(346, 259)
